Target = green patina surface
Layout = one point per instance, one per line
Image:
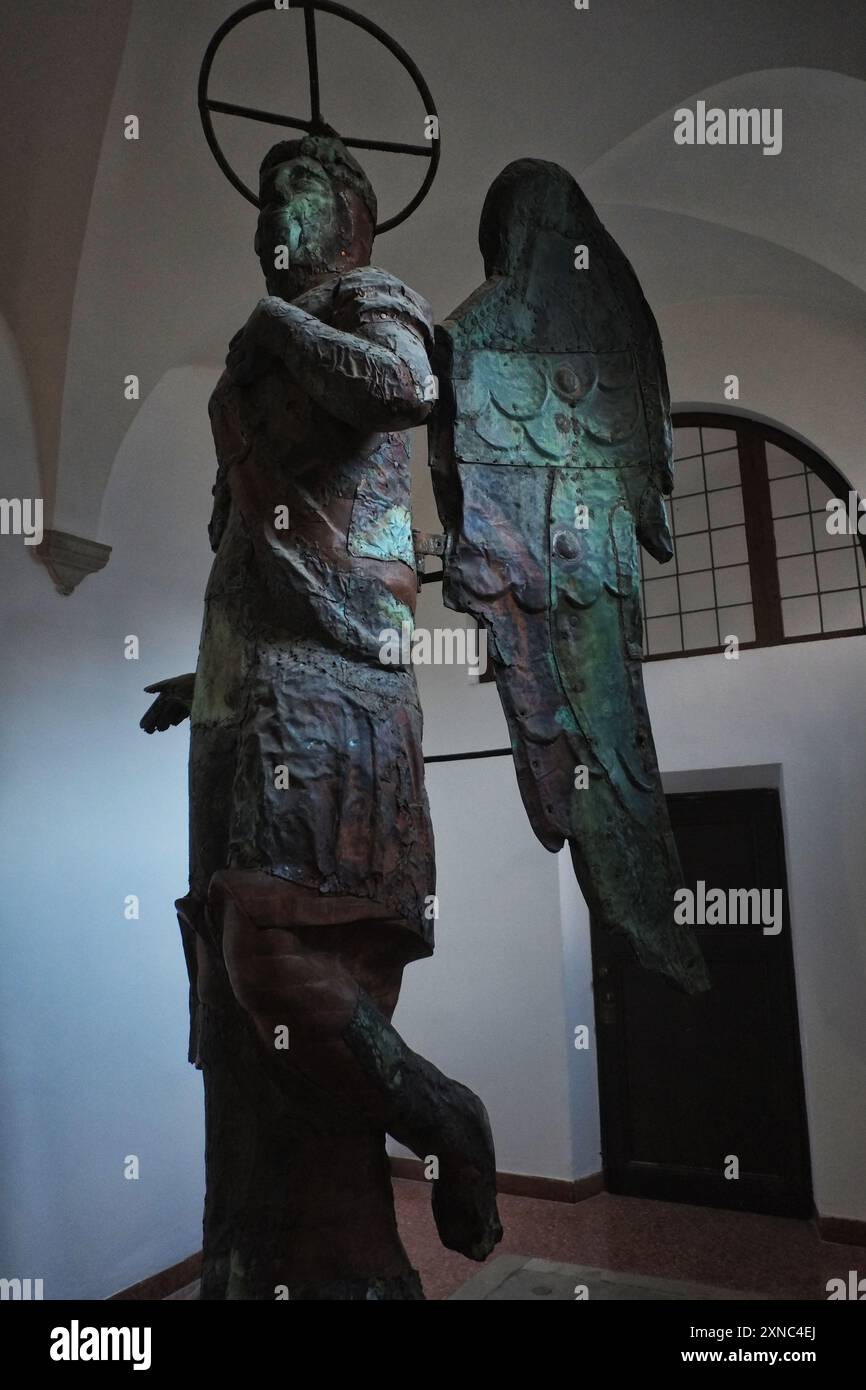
(551, 452)
(381, 530)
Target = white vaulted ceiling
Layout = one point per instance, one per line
(810, 199)
(127, 257)
(58, 65)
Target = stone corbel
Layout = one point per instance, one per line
(69, 559)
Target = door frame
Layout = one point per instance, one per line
(789, 1195)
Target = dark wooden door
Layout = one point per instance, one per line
(686, 1083)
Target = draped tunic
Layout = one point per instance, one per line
(306, 759)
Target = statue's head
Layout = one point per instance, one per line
(317, 213)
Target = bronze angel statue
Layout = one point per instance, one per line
(311, 853)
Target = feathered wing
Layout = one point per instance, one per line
(549, 461)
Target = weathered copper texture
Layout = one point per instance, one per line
(551, 454)
(311, 852)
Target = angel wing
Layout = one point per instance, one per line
(551, 453)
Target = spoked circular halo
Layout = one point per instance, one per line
(315, 124)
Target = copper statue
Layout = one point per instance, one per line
(312, 879)
(311, 855)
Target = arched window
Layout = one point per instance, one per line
(756, 552)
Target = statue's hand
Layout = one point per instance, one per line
(253, 349)
(172, 705)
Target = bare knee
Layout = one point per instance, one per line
(275, 973)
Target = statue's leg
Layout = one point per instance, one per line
(298, 1199)
(335, 987)
(299, 1202)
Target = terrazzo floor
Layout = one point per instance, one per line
(513, 1279)
(666, 1250)
(767, 1256)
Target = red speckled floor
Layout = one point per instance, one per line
(770, 1255)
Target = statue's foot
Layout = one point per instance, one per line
(464, 1193)
(433, 1116)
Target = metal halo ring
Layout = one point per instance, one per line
(316, 125)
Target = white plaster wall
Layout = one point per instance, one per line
(512, 942)
(489, 1008)
(92, 1009)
